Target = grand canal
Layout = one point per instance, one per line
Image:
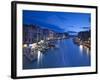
(67, 54)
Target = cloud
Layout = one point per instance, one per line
(72, 32)
(85, 27)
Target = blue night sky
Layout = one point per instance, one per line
(58, 21)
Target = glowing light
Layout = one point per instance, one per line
(39, 55)
(39, 60)
(81, 48)
(25, 45)
(87, 51)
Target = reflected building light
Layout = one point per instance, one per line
(87, 51)
(39, 59)
(81, 48)
(39, 55)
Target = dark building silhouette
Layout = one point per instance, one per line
(33, 33)
(84, 35)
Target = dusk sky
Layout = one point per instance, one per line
(58, 21)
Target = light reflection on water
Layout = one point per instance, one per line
(84, 48)
(39, 58)
(67, 54)
(87, 50)
(81, 48)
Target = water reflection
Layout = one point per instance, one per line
(39, 56)
(39, 59)
(81, 48)
(87, 50)
(67, 54)
(84, 49)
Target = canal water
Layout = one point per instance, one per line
(67, 54)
